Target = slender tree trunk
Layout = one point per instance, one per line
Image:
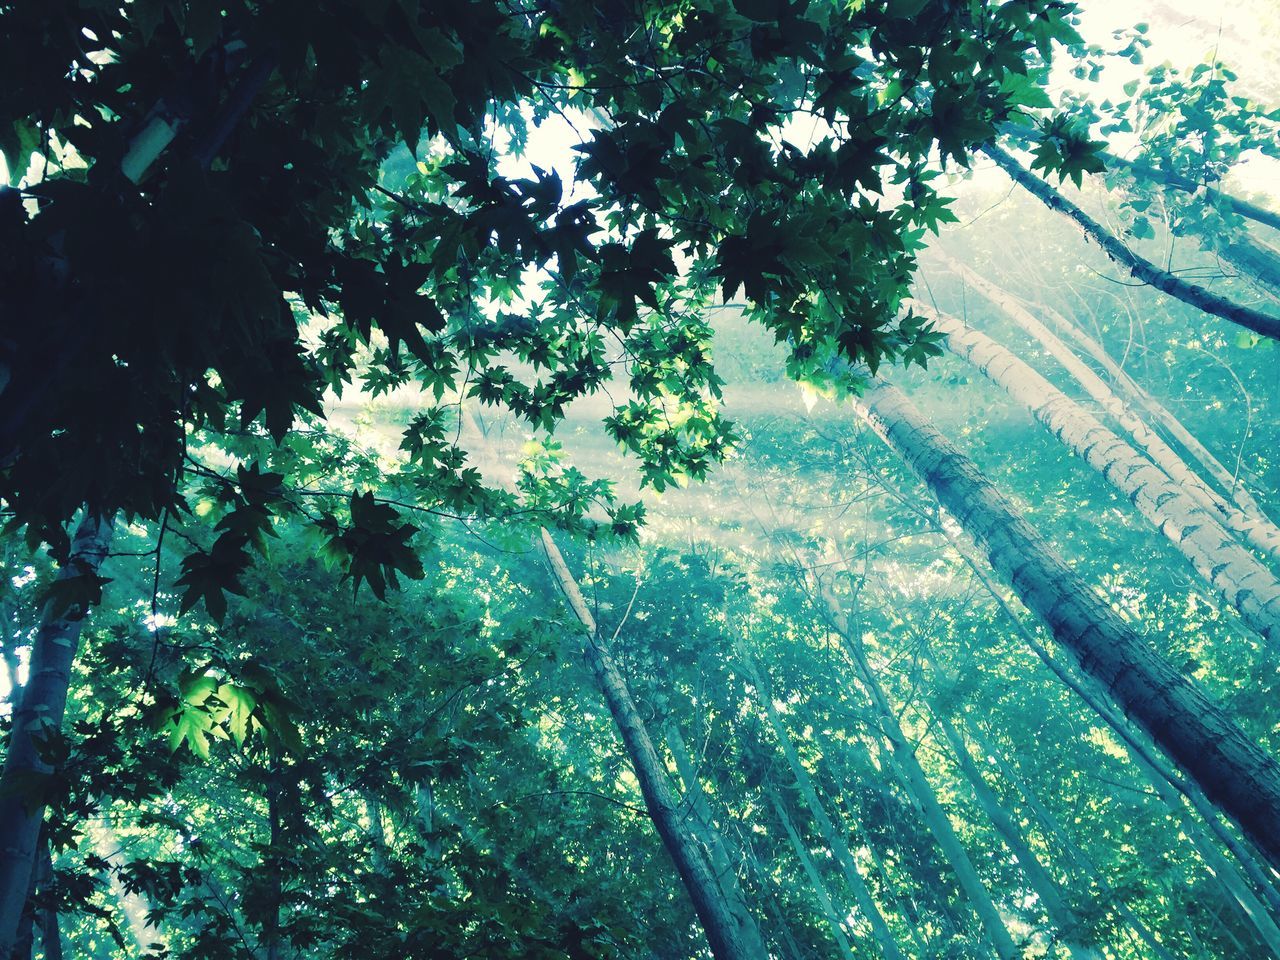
(1235, 888)
(1250, 523)
(728, 940)
(834, 837)
(133, 906)
(375, 832)
(1139, 267)
(1073, 851)
(703, 821)
(1144, 755)
(792, 949)
(1227, 480)
(815, 878)
(1237, 575)
(916, 783)
(425, 800)
(1231, 768)
(271, 939)
(50, 933)
(44, 700)
(1061, 914)
(1256, 262)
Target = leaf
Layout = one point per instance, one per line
(241, 704)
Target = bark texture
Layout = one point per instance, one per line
(1235, 574)
(1243, 517)
(1234, 772)
(1231, 482)
(44, 700)
(727, 938)
(703, 822)
(1139, 267)
(1166, 781)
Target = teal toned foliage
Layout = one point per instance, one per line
(275, 204)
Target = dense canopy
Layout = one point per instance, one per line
(604, 480)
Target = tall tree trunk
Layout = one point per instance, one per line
(1162, 777)
(834, 838)
(375, 831)
(816, 882)
(25, 941)
(1235, 889)
(792, 949)
(1054, 828)
(133, 906)
(703, 821)
(1256, 262)
(50, 932)
(1237, 575)
(1230, 482)
(1232, 769)
(727, 938)
(271, 935)
(916, 783)
(1046, 889)
(1247, 521)
(425, 801)
(1139, 267)
(44, 700)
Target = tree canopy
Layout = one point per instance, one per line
(327, 327)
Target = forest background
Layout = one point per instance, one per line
(462, 608)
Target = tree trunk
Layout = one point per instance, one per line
(834, 838)
(1046, 889)
(375, 832)
(1237, 575)
(703, 822)
(1074, 852)
(728, 940)
(1235, 888)
(1139, 267)
(133, 906)
(50, 933)
(1256, 262)
(1148, 759)
(815, 878)
(1232, 770)
(271, 935)
(1227, 480)
(425, 800)
(916, 783)
(44, 700)
(1249, 522)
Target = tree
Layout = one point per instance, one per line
(1231, 769)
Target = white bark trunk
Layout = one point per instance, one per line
(1251, 524)
(816, 882)
(44, 701)
(1236, 575)
(1047, 891)
(1235, 773)
(727, 938)
(834, 837)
